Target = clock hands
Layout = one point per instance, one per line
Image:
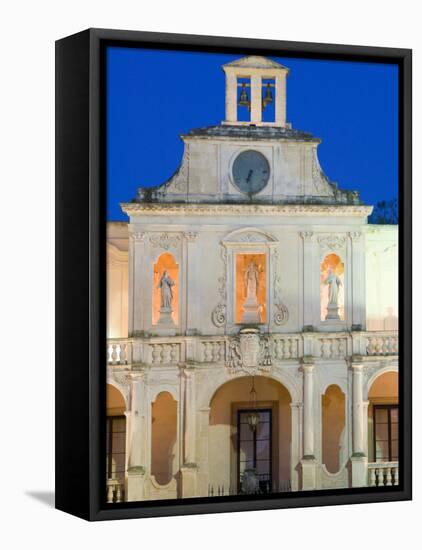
(248, 179)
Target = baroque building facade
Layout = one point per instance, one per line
(252, 317)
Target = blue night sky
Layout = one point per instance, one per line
(155, 95)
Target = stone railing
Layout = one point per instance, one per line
(172, 350)
(383, 474)
(382, 343)
(119, 351)
(115, 491)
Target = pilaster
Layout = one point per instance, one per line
(308, 279)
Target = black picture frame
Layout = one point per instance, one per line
(80, 272)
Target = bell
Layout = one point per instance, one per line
(268, 98)
(244, 98)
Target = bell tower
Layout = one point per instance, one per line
(255, 82)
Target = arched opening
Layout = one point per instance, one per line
(116, 440)
(235, 447)
(332, 288)
(164, 438)
(165, 266)
(333, 422)
(383, 418)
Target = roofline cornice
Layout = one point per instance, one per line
(157, 209)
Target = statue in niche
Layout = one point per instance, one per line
(334, 283)
(165, 284)
(251, 307)
(251, 283)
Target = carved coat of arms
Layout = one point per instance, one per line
(249, 352)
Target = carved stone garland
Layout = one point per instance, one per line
(219, 313)
(281, 313)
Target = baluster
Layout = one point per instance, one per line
(215, 351)
(110, 494)
(156, 353)
(381, 473)
(166, 348)
(108, 354)
(123, 355)
(396, 475)
(287, 348)
(174, 353)
(384, 346)
(118, 493)
(388, 477)
(369, 347)
(114, 354)
(372, 477)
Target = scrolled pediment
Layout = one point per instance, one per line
(249, 235)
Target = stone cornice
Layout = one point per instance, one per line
(157, 209)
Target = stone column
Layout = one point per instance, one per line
(231, 97)
(137, 447)
(189, 470)
(280, 100)
(308, 280)
(308, 461)
(256, 99)
(359, 459)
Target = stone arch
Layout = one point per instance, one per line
(225, 406)
(282, 377)
(112, 387)
(382, 398)
(379, 372)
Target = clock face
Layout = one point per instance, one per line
(251, 172)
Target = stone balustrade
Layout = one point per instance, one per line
(383, 474)
(172, 350)
(119, 351)
(382, 343)
(115, 491)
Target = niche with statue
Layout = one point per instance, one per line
(332, 288)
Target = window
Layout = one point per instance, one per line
(254, 447)
(386, 433)
(116, 444)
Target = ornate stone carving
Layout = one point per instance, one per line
(249, 352)
(355, 235)
(165, 241)
(306, 235)
(137, 236)
(219, 313)
(332, 242)
(281, 313)
(190, 236)
(252, 238)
